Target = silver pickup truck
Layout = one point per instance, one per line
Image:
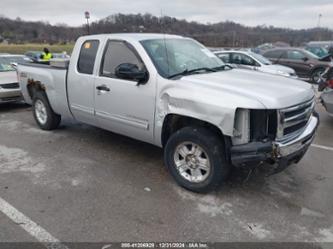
(172, 92)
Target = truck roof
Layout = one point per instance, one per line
(134, 36)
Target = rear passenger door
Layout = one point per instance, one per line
(124, 106)
(81, 80)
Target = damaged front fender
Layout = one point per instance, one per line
(197, 102)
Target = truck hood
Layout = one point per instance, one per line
(8, 77)
(273, 92)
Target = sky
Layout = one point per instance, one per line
(294, 14)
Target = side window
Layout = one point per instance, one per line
(274, 54)
(295, 55)
(246, 60)
(243, 60)
(87, 57)
(116, 53)
(224, 57)
(236, 58)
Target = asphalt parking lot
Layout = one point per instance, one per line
(84, 184)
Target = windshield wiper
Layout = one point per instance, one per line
(189, 72)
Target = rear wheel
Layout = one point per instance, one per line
(45, 117)
(195, 158)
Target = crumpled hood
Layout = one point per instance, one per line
(8, 77)
(273, 92)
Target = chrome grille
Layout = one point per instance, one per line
(10, 86)
(292, 120)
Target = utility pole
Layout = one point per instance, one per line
(87, 16)
(319, 22)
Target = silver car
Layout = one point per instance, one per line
(9, 86)
(253, 61)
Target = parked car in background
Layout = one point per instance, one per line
(9, 86)
(35, 56)
(267, 46)
(307, 65)
(173, 92)
(319, 51)
(62, 55)
(326, 87)
(323, 49)
(253, 61)
(320, 44)
(262, 48)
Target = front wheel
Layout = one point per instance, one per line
(45, 117)
(195, 158)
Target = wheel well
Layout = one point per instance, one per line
(317, 68)
(34, 86)
(175, 122)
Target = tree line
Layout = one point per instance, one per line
(223, 34)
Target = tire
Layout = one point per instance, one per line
(196, 139)
(45, 117)
(315, 73)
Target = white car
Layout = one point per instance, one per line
(9, 86)
(253, 61)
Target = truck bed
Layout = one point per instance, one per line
(53, 78)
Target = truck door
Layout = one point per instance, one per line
(121, 105)
(81, 79)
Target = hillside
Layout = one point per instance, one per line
(218, 34)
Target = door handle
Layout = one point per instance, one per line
(103, 88)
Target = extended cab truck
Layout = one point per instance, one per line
(173, 92)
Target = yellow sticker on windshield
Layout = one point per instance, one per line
(87, 45)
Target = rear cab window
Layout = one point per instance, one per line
(87, 57)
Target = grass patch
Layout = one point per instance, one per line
(22, 48)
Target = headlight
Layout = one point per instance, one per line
(242, 127)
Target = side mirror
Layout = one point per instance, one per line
(305, 59)
(130, 71)
(230, 66)
(14, 65)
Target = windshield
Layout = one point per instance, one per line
(5, 62)
(311, 55)
(261, 59)
(175, 56)
(320, 52)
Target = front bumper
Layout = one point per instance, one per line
(282, 153)
(9, 95)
